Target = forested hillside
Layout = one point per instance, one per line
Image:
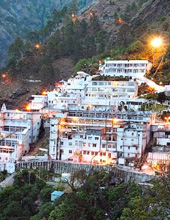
(97, 195)
(18, 17)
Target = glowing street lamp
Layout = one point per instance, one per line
(3, 75)
(37, 46)
(44, 92)
(156, 42)
(28, 107)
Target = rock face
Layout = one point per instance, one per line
(151, 11)
(18, 17)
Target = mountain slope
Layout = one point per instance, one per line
(18, 17)
(151, 12)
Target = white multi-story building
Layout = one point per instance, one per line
(125, 68)
(96, 121)
(161, 135)
(102, 95)
(38, 102)
(18, 130)
(83, 93)
(99, 137)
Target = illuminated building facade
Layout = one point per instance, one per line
(18, 130)
(38, 102)
(97, 121)
(99, 137)
(83, 92)
(125, 68)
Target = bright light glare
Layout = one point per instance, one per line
(115, 120)
(28, 107)
(44, 92)
(17, 110)
(156, 42)
(37, 46)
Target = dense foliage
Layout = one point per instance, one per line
(18, 18)
(95, 196)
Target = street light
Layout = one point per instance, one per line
(156, 42)
(37, 46)
(157, 47)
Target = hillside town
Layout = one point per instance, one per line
(90, 120)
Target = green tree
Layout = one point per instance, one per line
(135, 47)
(74, 6)
(16, 49)
(46, 74)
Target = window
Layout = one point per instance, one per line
(96, 138)
(94, 145)
(62, 143)
(103, 145)
(128, 147)
(70, 151)
(88, 152)
(92, 153)
(70, 143)
(109, 155)
(89, 137)
(96, 153)
(89, 145)
(104, 153)
(84, 152)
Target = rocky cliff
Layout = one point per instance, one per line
(151, 12)
(18, 17)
